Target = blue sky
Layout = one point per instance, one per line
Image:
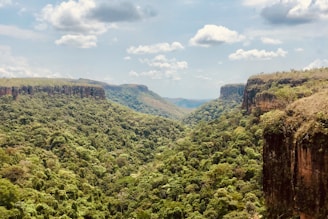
(185, 48)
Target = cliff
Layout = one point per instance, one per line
(232, 91)
(293, 108)
(16, 87)
(295, 155)
(275, 91)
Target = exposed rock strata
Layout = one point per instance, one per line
(71, 90)
(232, 91)
(295, 155)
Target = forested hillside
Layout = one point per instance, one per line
(141, 99)
(231, 96)
(68, 157)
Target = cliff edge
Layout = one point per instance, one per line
(30, 86)
(293, 108)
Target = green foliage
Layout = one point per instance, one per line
(68, 157)
(211, 111)
(8, 194)
(140, 99)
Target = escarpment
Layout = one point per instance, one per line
(232, 91)
(275, 91)
(295, 156)
(294, 112)
(16, 87)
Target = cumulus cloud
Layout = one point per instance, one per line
(89, 17)
(255, 54)
(293, 12)
(16, 66)
(267, 40)
(156, 48)
(73, 17)
(120, 11)
(318, 63)
(211, 35)
(80, 41)
(162, 68)
(162, 62)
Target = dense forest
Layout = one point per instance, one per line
(69, 156)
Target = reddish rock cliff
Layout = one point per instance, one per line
(295, 156)
(294, 111)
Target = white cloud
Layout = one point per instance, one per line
(127, 58)
(156, 48)
(162, 68)
(72, 17)
(161, 62)
(211, 35)
(16, 66)
(5, 2)
(291, 12)
(267, 40)
(15, 32)
(318, 63)
(255, 54)
(80, 41)
(89, 17)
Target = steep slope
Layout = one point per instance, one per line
(296, 159)
(230, 97)
(141, 99)
(294, 107)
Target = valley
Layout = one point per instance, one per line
(86, 149)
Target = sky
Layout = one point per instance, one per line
(183, 48)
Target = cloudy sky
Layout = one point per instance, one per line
(184, 48)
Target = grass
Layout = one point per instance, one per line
(318, 73)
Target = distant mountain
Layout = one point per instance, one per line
(230, 97)
(141, 99)
(187, 103)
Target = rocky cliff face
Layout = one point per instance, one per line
(260, 92)
(232, 91)
(295, 156)
(294, 111)
(71, 90)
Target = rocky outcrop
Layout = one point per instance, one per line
(232, 91)
(70, 90)
(295, 156)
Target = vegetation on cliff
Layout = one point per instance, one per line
(267, 92)
(295, 149)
